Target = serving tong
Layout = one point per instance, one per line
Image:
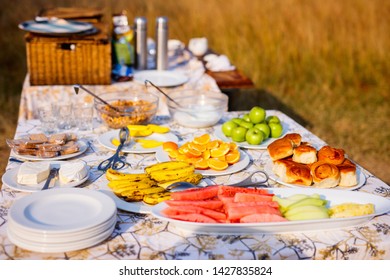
(247, 182)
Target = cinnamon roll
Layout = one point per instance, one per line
(292, 172)
(331, 155)
(325, 175)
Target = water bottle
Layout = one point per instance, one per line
(141, 51)
(162, 43)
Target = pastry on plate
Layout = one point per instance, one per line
(348, 177)
(331, 155)
(305, 154)
(292, 172)
(325, 175)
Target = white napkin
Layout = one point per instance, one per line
(218, 63)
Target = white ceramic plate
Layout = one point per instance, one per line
(10, 179)
(58, 247)
(82, 148)
(218, 133)
(268, 169)
(162, 156)
(161, 78)
(134, 147)
(62, 210)
(56, 27)
(382, 205)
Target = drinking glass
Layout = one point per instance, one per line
(83, 116)
(48, 117)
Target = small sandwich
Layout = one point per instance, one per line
(292, 172)
(305, 154)
(348, 177)
(325, 175)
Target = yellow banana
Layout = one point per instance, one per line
(167, 165)
(193, 178)
(115, 185)
(156, 198)
(133, 198)
(113, 175)
(162, 176)
(130, 193)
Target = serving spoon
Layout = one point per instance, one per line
(247, 182)
(77, 88)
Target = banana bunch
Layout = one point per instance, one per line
(150, 186)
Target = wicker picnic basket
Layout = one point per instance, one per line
(71, 59)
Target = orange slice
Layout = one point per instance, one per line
(183, 149)
(174, 154)
(206, 154)
(202, 140)
(232, 157)
(197, 147)
(193, 153)
(201, 164)
(233, 146)
(217, 164)
(222, 150)
(169, 146)
(213, 144)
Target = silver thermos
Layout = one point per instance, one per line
(162, 43)
(141, 48)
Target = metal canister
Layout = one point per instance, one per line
(141, 50)
(162, 43)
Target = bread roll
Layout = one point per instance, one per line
(325, 175)
(305, 154)
(280, 148)
(348, 176)
(292, 172)
(295, 138)
(331, 155)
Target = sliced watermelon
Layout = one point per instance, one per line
(226, 199)
(196, 194)
(231, 191)
(193, 217)
(273, 204)
(179, 210)
(247, 197)
(214, 204)
(235, 213)
(262, 218)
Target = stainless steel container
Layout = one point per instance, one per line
(162, 43)
(141, 49)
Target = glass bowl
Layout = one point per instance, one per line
(198, 108)
(135, 108)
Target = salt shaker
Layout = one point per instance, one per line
(162, 43)
(141, 51)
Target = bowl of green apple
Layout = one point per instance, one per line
(254, 129)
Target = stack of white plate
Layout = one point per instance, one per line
(61, 220)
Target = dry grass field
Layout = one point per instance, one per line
(325, 63)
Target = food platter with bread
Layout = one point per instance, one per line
(295, 163)
(43, 147)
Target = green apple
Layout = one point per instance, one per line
(272, 119)
(246, 117)
(238, 134)
(276, 130)
(237, 120)
(247, 125)
(257, 114)
(263, 127)
(228, 127)
(254, 136)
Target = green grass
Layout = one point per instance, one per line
(325, 63)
